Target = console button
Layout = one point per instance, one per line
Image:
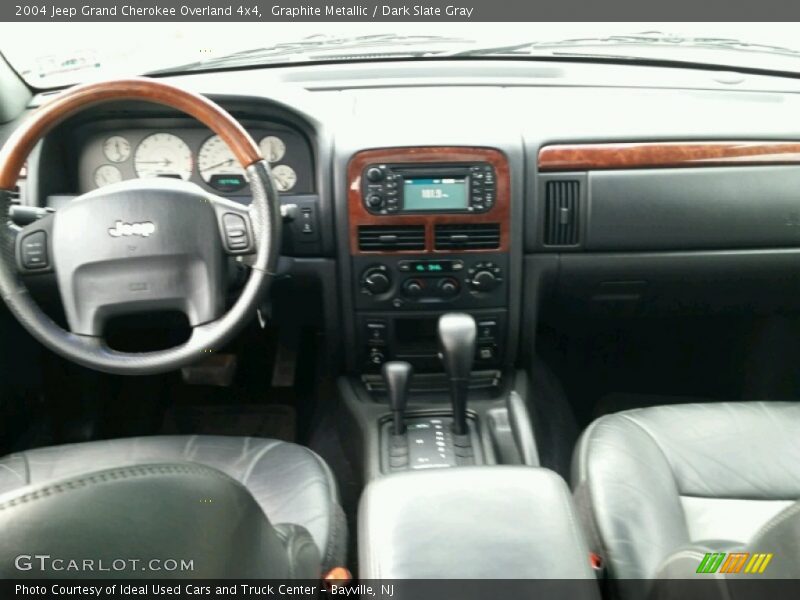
(34, 251)
(376, 357)
(487, 330)
(487, 352)
(375, 201)
(376, 332)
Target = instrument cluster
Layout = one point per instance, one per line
(193, 154)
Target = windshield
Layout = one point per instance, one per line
(46, 57)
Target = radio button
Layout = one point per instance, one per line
(375, 174)
(375, 201)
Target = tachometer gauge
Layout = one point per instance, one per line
(272, 148)
(117, 149)
(285, 177)
(106, 175)
(163, 155)
(218, 166)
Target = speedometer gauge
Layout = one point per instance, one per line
(285, 177)
(272, 148)
(163, 155)
(218, 166)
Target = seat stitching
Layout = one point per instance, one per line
(785, 514)
(109, 476)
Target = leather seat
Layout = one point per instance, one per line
(290, 483)
(652, 484)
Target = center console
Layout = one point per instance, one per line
(475, 523)
(433, 410)
(430, 305)
(429, 232)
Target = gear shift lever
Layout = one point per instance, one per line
(397, 375)
(457, 333)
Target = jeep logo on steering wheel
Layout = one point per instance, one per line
(144, 229)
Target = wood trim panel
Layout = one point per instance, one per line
(359, 215)
(72, 101)
(586, 157)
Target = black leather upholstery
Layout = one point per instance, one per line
(472, 522)
(652, 483)
(290, 483)
(165, 520)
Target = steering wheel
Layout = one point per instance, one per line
(139, 245)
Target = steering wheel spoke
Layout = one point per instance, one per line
(34, 247)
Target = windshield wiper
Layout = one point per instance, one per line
(318, 47)
(651, 39)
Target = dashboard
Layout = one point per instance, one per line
(611, 189)
(114, 154)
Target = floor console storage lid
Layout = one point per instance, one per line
(497, 522)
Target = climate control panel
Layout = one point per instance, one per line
(424, 283)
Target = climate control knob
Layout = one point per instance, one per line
(413, 287)
(484, 281)
(375, 280)
(448, 287)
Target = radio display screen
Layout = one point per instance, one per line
(436, 193)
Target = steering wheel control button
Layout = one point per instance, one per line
(34, 251)
(236, 236)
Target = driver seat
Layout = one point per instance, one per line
(292, 485)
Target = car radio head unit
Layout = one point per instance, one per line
(447, 188)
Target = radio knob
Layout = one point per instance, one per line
(448, 287)
(374, 174)
(376, 281)
(484, 281)
(375, 201)
(413, 287)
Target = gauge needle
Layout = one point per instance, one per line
(166, 162)
(220, 164)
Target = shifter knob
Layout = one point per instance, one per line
(397, 375)
(457, 333)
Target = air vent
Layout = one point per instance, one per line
(388, 238)
(483, 236)
(562, 200)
